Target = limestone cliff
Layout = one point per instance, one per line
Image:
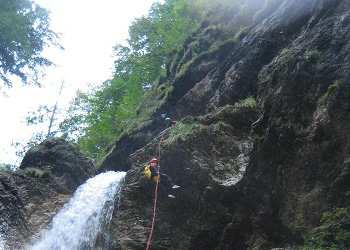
(262, 137)
(246, 171)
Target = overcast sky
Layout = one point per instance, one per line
(89, 30)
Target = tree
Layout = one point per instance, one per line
(54, 110)
(95, 118)
(45, 118)
(24, 32)
(5, 167)
(22, 147)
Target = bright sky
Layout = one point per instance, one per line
(89, 30)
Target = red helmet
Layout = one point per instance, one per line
(154, 160)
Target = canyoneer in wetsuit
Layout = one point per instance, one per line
(151, 171)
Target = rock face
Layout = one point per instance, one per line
(246, 173)
(207, 163)
(30, 197)
(65, 161)
(247, 169)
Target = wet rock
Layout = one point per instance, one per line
(63, 160)
(32, 195)
(246, 174)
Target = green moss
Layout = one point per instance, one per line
(281, 55)
(258, 140)
(38, 173)
(331, 88)
(214, 51)
(181, 130)
(6, 167)
(241, 33)
(248, 102)
(150, 104)
(315, 55)
(284, 51)
(194, 47)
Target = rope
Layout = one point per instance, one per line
(156, 192)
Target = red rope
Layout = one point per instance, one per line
(156, 192)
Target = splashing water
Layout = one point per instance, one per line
(86, 218)
(2, 246)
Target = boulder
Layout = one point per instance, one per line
(69, 166)
(31, 196)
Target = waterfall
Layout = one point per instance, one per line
(2, 245)
(86, 218)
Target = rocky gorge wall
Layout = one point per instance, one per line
(29, 198)
(262, 137)
(247, 171)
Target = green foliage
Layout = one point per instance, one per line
(284, 51)
(97, 117)
(281, 55)
(38, 173)
(22, 147)
(24, 29)
(337, 213)
(214, 51)
(315, 55)
(5, 167)
(332, 234)
(241, 33)
(298, 224)
(248, 102)
(258, 140)
(194, 47)
(331, 88)
(153, 38)
(181, 130)
(127, 101)
(44, 115)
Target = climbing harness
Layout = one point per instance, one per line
(156, 192)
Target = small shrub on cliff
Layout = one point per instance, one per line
(284, 51)
(5, 167)
(298, 226)
(258, 140)
(280, 56)
(334, 232)
(181, 130)
(243, 31)
(315, 55)
(248, 102)
(331, 88)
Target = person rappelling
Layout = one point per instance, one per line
(170, 122)
(151, 171)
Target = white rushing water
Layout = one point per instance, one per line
(86, 218)
(2, 246)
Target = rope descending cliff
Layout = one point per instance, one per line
(156, 192)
